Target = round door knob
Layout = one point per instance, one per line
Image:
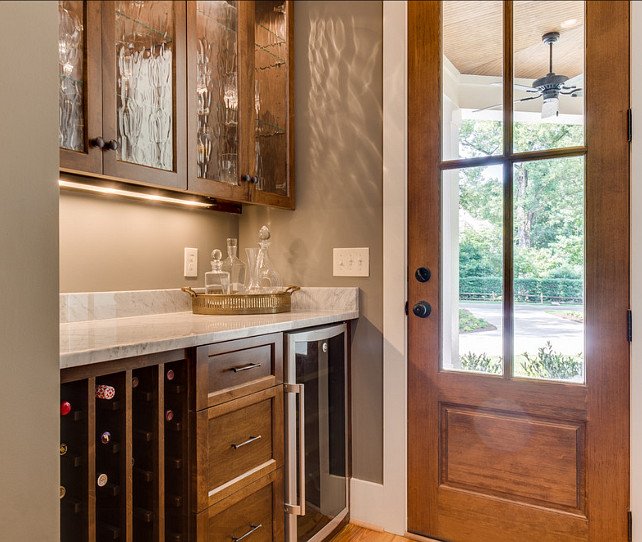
(421, 309)
(254, 179)
(112, 145)
(245, 178)
(97, 142)
(422, 274)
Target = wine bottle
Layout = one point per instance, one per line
(63, 491)
(102, 479)
(169, 415)
(105, 438)
(170, 374)
(135, 381)
(105, 392)
(63, 448)
(65, 408)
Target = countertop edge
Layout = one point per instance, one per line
(127, 350)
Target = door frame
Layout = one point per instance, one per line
(425, 128)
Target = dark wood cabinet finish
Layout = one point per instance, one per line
(257, 507)
(228, 370)
(165, 460)
(238, 442)
(266, 179)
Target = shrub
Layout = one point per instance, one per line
(552, 365)
(481, 363)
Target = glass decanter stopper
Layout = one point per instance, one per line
(267, 277)
(234, 266)
(217, 281)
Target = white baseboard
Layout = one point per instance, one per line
(367, 502)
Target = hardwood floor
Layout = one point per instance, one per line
(352, 533)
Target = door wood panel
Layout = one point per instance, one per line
(497, 458)
(520, 458)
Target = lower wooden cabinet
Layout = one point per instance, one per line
(254, 512)
(144, 465)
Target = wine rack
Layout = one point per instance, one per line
(124, 468)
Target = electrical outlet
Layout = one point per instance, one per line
(351, 262)
(190, 264)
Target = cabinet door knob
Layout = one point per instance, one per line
(421, 309)
(254, 179)
(97, 142)
(112, 145)
(245, 178)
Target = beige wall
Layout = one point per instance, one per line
(29, 272)
(338, 107)
(115, 244)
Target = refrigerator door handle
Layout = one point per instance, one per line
(298, 509)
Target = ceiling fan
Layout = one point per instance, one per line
(548, 87)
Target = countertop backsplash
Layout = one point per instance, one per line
(81, 307)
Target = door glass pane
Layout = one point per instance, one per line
(548, 226)
(71, 73)
(472, 77)
(217, 90)
(472, 264)
(549, 75)
(145, 67)
(271, 96)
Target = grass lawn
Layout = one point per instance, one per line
(574, 316)
(468, 323)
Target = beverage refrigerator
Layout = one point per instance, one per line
(316, 443)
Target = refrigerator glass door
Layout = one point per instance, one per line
(319, 365)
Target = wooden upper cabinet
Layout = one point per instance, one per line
(193, 96)
(144, 91)
(80, 82)
(240, 100)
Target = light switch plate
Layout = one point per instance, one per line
(190, 264)
(351, 262)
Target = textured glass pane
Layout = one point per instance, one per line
(472, 260)
(549, 74)
(472, 76)
(145, 81)
(270, 96)
(548, 226)
(71, 54)
(217, 90)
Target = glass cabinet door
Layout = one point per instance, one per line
(144, 94)
(272, 152)
(214, 52)
(79, 85)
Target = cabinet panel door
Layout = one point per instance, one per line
(144, 92)
(79, 72)
(215, 31)
(272, 148)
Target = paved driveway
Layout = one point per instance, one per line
(533, 327)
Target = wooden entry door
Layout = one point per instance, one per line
(518, 377)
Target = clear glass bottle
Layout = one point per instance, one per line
(268, 278)
(234, 266)
(217, 281)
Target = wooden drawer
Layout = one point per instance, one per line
(228, 370)
(237, 443)
(258, 507)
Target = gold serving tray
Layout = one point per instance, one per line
(241, 303)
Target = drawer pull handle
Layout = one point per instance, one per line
(251, 439)
(253, 528)
(245, 367)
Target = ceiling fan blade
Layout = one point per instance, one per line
(575, 92)
(550, 107)
(500, 105)
(517, 86)
(577, 81)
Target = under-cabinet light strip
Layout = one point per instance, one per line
(128, 194)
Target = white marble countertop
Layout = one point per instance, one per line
(97, 340)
